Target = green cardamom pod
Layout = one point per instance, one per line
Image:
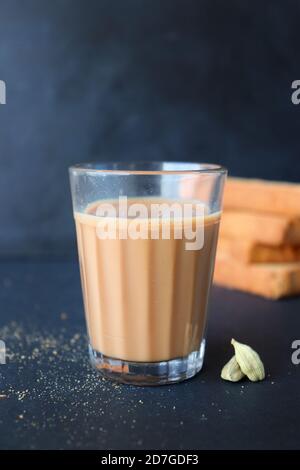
(232, 371)
(249, 361)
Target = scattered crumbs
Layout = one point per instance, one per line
(63, 316)
(242, 386)
(219, 410)
(227, 392)
(272, 383)
(21, 394)
(54, 357)
(212, 403)
(140, 442)
(56, 382)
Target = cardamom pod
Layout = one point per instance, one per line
(249, 361)
(232, 371)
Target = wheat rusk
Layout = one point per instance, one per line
(261, 195)
(270, 280)
(247, 251)
(261, 228)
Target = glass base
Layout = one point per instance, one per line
(148, 373)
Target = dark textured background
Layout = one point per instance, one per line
(175, 79)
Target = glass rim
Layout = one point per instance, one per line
(206, 168)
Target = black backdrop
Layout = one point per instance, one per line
(193, 80)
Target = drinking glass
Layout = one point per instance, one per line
(147, 236)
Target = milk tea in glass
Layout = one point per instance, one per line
(147, 236)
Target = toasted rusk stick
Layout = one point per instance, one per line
(269, 280)
(247, 251)
(261, 228)
(261, 195)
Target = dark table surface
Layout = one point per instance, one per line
(50, 398)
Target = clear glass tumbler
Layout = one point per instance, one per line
(147, 236)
